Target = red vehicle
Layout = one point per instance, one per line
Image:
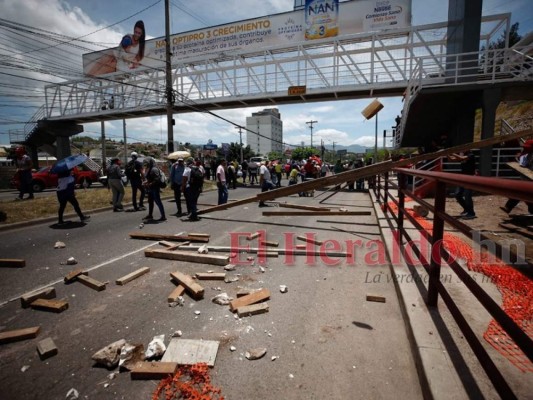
(44, 179)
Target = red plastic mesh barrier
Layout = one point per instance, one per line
(189, 382)
(516, 290)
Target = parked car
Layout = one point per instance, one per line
(44, 179)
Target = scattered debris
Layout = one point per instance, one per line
(92, 283)
(195, 290)
(56, 306)
(109, 356)
(28, 298)
(170, 238)
(72, 394)
(230, 279)
(134, 275)
(420, 210)
(283, 288)
(273, 358)
(190, 351)
(210, 275)
(153, 370)
(232, 348)
(262, 269)
(249, 258)
(253, 309)
(378, 299)
(156, 348)
(175, 294)
(203, 249)
(197, 312)
(266, 243)
(253, 236)
(73, 275)
(249, 299)
(130, 354)
(187, 256)
(255, 354)
(291, 376)
(59, 245)
(223, 299)
(230, 267)
(177, 334)
(24, 368)
(305, 238)
(46, 348)
(72, 261)
(12, 263)
(19, 334)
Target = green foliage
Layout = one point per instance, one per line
(303, 153)
(275, 155)
(235, 152)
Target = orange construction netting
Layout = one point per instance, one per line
(189, 382)
(516, 290)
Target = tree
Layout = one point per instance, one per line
(275, 155)
(303, 153)
(234, 152)
(494, 57)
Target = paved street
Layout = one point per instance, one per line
(330, 342)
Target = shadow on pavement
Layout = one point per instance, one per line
(68, 225)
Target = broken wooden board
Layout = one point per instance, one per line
(377, 299)
(46, 348)
(211, 276)
(253, 309)
(196, 291)
(370, 170)
(304, 238)
(311, 213)
(91, 282)
(252, 298)
(185, 256)
(28, 298)
(253, 236)
(153, 370)
(170, 238)
(134, 275)
(524, 171)
(204, 235)
(302, 207)
(170, 245)
(246, 292)
(190, 352)
(267, 254)
(19, 334)
(177, 292)
(56, 306)
(73, 275)
(12, 263)
(268, 243)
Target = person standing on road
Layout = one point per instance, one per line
(252, 170)
(176, 177)
(278, 168)
(463, 195)
(191, 185)
(221, 183)
(114, 180)
(66, 194)
(265, 180)
(24, 166)
(152, 183)
(134, 172)
(244, 167)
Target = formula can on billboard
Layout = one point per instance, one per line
(321, 19)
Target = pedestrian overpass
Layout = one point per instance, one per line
(356, 66)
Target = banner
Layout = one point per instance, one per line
(318, 20)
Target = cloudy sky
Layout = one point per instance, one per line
(103, 23)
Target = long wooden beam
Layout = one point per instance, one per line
(367, 171)
(169, 238)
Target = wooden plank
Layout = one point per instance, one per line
(196, 291)
(170, 238)
(46, 348)
(301, 246)
(267, 254)
(304, 238)
(186, 256)
(28, 298)
(91, 282)
(268, 243)
(73, 275)
(19, 334)
(302, 207)
(12, 263)
(312, 213)
(177, 292)
(131, 276)
(378, 299)
(56, 306)
(253, 236)
(211, 276)
(252, 298)
(521, 170)
(190, 352)
(153, 370)
(253, 309)
(371, 170)
(204, 235)
(246, 292)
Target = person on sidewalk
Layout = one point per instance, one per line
(134, 172)
(114, 180)
(176, 178)
(525, 159)
(463, 195)
(221, 183)
(66, 194)
(152, 184)
(265, 180)
(24, 166)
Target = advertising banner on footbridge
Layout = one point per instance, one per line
(320, 19)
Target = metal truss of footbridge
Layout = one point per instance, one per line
(368, 65)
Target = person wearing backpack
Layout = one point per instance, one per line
(134, 172)
(191, 185)
(153, 183)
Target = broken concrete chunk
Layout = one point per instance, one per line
(255, 354)
(203, 249)
(156, 348)
(109, 356)
(229, 267)
(283, 289)
(130, 354)
(230, 279)
(232, 348)
(72, 394)
(59, 245)
(46, 348)
(72, 261)
(222, 299)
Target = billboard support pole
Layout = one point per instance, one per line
(168, 72)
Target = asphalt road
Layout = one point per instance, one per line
(330, 342)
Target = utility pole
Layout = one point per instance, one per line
(102, 128)
(334, 150)
(168, 87)
(125, 143)
(240, 141)
(310, 123)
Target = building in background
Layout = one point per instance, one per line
(268, 132)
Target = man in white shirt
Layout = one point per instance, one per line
(221, 183)
(265, 180)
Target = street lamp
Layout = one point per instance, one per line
(373, 109)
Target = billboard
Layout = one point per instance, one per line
(318, 20)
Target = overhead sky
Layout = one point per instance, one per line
(340, 121)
